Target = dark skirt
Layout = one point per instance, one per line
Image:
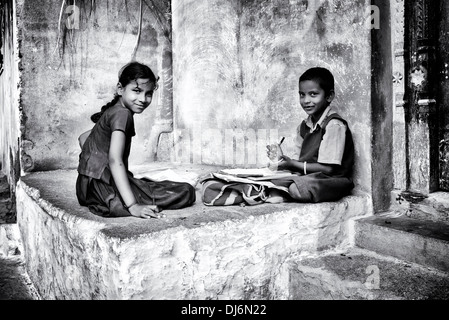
(103, 198)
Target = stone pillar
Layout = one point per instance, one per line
(381, 113)
(399, 151)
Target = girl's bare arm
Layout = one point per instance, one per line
(298, 166)
(120, 176)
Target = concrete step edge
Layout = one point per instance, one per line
(420, 241)
(395, 221)
(360, 274)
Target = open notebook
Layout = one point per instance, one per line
(169, 174)
(257, 174)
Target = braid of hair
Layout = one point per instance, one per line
(96, 116)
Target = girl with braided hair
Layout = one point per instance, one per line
(104, 183)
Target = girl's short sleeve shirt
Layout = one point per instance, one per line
(95, 152)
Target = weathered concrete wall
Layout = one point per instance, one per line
(70, 71)
(236, 69)
(68, 267)
(9, 95)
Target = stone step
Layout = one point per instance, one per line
(424, 242)
(360, 274)
(434, 206)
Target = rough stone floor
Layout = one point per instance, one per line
(14, 281)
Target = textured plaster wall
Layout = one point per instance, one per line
(9, 96)
(236, 68)
(66, 257)
(69, 73)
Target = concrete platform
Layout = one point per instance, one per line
(420, 241)
(359, 274)
(196, 253)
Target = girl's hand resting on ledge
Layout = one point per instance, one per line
(145, 211)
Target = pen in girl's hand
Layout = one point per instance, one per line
(282, 140)
(280, 149)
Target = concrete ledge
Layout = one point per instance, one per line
(420, 241)
(359, 274)
(195, 253)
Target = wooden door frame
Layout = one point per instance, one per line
(421, 91)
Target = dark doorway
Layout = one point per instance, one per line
(443, 97)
